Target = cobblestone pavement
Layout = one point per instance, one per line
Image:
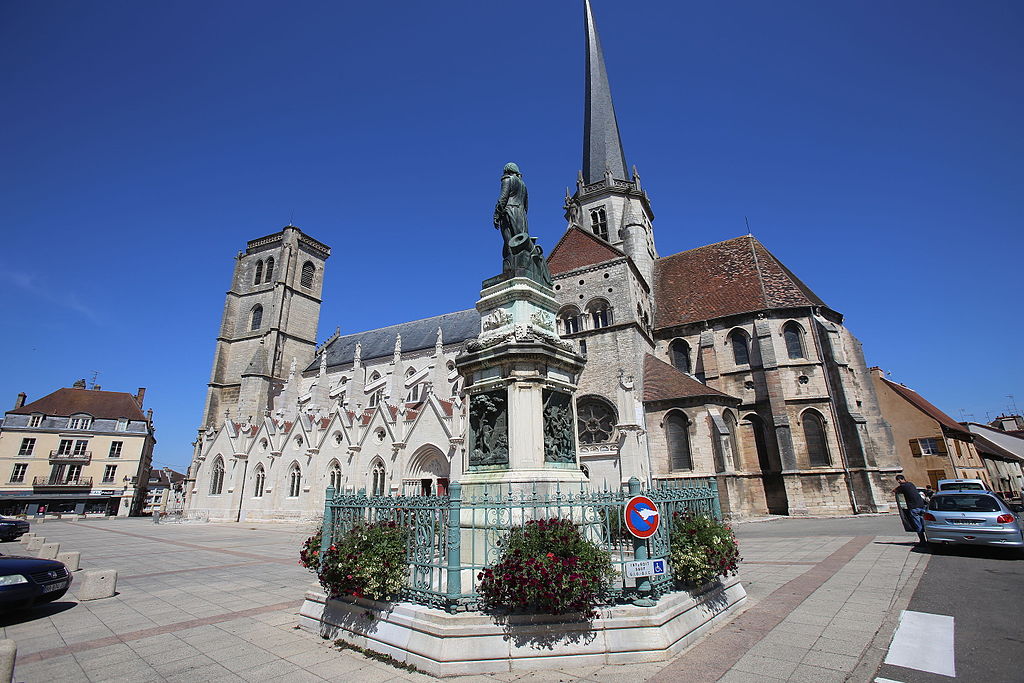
(218, 602)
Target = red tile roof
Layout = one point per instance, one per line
(663, 382)
(727, 278)
(579, 248)
(70, 401)
(919, 402)
(447, 406)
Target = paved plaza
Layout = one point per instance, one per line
(205, 602)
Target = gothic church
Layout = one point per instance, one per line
(714, 361)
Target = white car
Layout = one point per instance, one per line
(961, 485)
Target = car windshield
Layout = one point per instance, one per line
(964, 503)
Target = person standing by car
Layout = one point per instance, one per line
(915, 504)
(929, 492)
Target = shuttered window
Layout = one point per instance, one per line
(308, 271)
(678, 438)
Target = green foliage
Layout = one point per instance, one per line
(309, 556)
(702, 549)
(547, 566)
(367, 561)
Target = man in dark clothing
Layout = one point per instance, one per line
(915, 504)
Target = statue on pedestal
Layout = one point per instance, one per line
(520, 254)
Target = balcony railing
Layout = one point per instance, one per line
(84, 456)
(62, 481)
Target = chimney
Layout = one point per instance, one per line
(149, 415)
(20, 400)
(140, 396)
(96, 387)
(79, 384)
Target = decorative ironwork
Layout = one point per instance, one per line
(453, 538)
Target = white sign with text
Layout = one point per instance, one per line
(636, 570)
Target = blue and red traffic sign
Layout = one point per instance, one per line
(642, 517)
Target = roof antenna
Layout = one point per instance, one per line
(747, 221)
(95, 375)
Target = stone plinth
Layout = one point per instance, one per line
(96, 584)
(445, 644)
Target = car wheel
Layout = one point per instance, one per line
(50, 597)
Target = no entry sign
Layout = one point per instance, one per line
(642, 517)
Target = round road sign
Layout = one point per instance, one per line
(642, 517)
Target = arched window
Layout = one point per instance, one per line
(595, 420)
(814, 436)
(679, 354)
(260, 479)
(377, 482)
(569, 320)
(600, 313)
(270, 270)
(256, 317)
(374, 376)
(599, 223)
(294, 481)
(259, 273)
(794, 336)
(334, 475)
(308, 271)
(217, 477)
(740, 348)
(677, 436)
(734, 446)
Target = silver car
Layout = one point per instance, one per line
(972, 518)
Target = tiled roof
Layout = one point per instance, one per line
(727, 278)
(987, 447)
(416, 335)
(919, 402)
(579, 248)
(69, 401)
(663, 382)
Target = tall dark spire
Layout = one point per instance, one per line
(602, 147)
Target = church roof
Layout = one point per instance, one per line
(70, 401)
(663, 382)
(919, 402)
(727, 278)
(579, 248)
(416, 336)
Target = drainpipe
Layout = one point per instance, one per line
(241, 490)
(835, 415)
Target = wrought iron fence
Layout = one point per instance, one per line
(454, 537)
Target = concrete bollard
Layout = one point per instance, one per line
(48, 551)
(80, 517)
(8, 653)
(26, 537)
(39, 520)
(35, 543)
(71, 560)
(95, 584)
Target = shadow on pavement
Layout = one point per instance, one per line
(961, 550)
(20, 616)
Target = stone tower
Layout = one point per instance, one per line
(270, 317)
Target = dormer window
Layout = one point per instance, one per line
(35, 421)
(79, 422)
(122, 424)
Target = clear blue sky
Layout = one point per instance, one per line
(875, 146)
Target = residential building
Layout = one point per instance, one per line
(714, 361)
(929, 443)
(1003, 454)
(165, 491)
(76, 450)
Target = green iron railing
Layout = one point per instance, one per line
(454, 538)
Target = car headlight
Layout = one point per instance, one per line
(12, 579)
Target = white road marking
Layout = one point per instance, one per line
(924, 642)
(885, 680)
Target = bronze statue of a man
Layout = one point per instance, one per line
(520, 251)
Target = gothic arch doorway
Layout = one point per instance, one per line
(775, 498)
(427, 474)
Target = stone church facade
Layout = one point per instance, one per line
(714, 361)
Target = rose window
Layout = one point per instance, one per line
(595, 421)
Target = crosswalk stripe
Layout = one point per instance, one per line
(924, 642)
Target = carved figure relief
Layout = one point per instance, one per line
(543, 320)
(559, 445)
(496, 319)
(488, 423)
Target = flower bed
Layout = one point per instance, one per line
(547, 566)
(367, 561)
(702, 549)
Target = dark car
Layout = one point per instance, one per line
(27, 581)
(10, 528)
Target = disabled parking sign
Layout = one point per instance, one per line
(642, 517)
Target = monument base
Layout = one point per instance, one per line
(443, 644)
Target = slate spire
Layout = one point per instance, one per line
(602, 147)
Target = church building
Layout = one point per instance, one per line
(713, 361)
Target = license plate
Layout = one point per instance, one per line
(965, 521)
(50, 587)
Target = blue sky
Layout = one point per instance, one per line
(875, 146)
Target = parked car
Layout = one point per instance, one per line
(11, 528)
(972, 517)
(27, 581)
(961, 485)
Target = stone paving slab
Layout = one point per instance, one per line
(218, 602)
